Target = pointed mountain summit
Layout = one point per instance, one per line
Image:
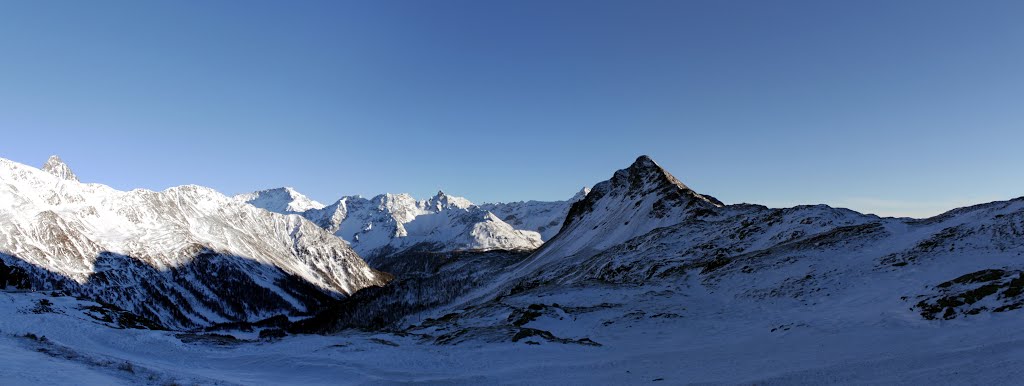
(54, 165)
(442, 201)
(645, 175)
(580, 194)
(635, 201)
(638, 183)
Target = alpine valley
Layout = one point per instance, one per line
(638, 279)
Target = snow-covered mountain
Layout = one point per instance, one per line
(183, 257)
(635, 201)
(391, 224)
(647, 281)
(644, 251)
(54, 165)
(281, 200)
(544, 217)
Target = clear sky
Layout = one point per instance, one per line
(891, 107)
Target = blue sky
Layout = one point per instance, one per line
(892, 107)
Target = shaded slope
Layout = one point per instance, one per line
(72, 229)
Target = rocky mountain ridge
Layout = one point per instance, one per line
(187, 256)
(643, 246)
(392, 224)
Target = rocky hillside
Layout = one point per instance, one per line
(184, 257)
(643, 249)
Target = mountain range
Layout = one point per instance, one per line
(183, 257)
(640, 278)
(643, 227)
(392, 224)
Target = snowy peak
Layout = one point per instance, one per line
(581, 194)
(389, 224)
(442, 201)
(55, 166)
(635, 201)
(402, 207)
(645, 166)
(643, 181)
(284, 200)
(645, 176)
(187, 256)
(544, 217)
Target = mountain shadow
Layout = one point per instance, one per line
(423, 281)
(210, 288)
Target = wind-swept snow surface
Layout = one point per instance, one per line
(646, 334)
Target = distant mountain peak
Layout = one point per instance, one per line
(580, 194)
(440, 196)
(56, 166)
(280, 200)
(443, 200)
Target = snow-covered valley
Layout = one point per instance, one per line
(646, 334)
(645, 280)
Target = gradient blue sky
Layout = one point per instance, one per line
(892, 107)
